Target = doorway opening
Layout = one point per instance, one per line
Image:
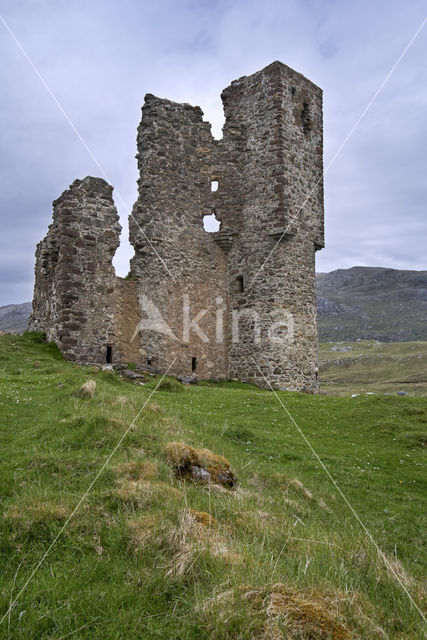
(109, 354)
(193, 364)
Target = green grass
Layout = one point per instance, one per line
(133, 563)
(371, 366)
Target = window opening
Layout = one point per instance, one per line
(214, 185)
(305, 117)
(210, 223)
(109, 354)
(193, 364)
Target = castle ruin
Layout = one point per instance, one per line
(236, 303)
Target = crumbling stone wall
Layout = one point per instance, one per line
(249, 287)
(261, 262)
(77, 295)
(281, 172)
(180, 269)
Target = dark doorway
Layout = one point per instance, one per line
(193, 364)
(109, 355)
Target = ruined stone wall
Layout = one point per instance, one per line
(237, 303)
(281, 172)
(180, 269)
(269, 169)
(77, 295)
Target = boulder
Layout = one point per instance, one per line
(87, 390)
(199, 465)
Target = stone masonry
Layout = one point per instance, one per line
(235, 303)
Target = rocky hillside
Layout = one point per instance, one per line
(372, 303)
(14, 317)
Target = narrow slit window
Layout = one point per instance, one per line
(109, 354)
(239, 283)
(193, 364)
(214, 185)
(305, 117)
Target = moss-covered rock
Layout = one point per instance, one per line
(200, 465)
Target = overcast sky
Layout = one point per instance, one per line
(100, 57)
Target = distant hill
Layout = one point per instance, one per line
(389, 305)
(370, 303)
(14, 317)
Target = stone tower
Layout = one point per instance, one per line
(235, 303)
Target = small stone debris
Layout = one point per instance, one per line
(341, 349)
(87, 390)
(402, 393)
(188, 379)
(132, 375)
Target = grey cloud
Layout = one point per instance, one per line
(100, 58)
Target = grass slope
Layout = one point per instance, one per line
(370, 366)
(149, 556)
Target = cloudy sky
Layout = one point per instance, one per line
(100, 57)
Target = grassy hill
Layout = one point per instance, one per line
(372, 303)
(371, 366)
(149, 555)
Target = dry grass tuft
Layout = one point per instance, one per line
(137, 470)
(197, 533)
(34, 511)
(389, 568)
(295, 506)
(295, 486)
(216, 488)
(299, 487)
(287, 613)
(142, 530)
(119, 423)
(200, 465)
(155, 407)
(256, 522)
(137, 493)
(143, 493)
